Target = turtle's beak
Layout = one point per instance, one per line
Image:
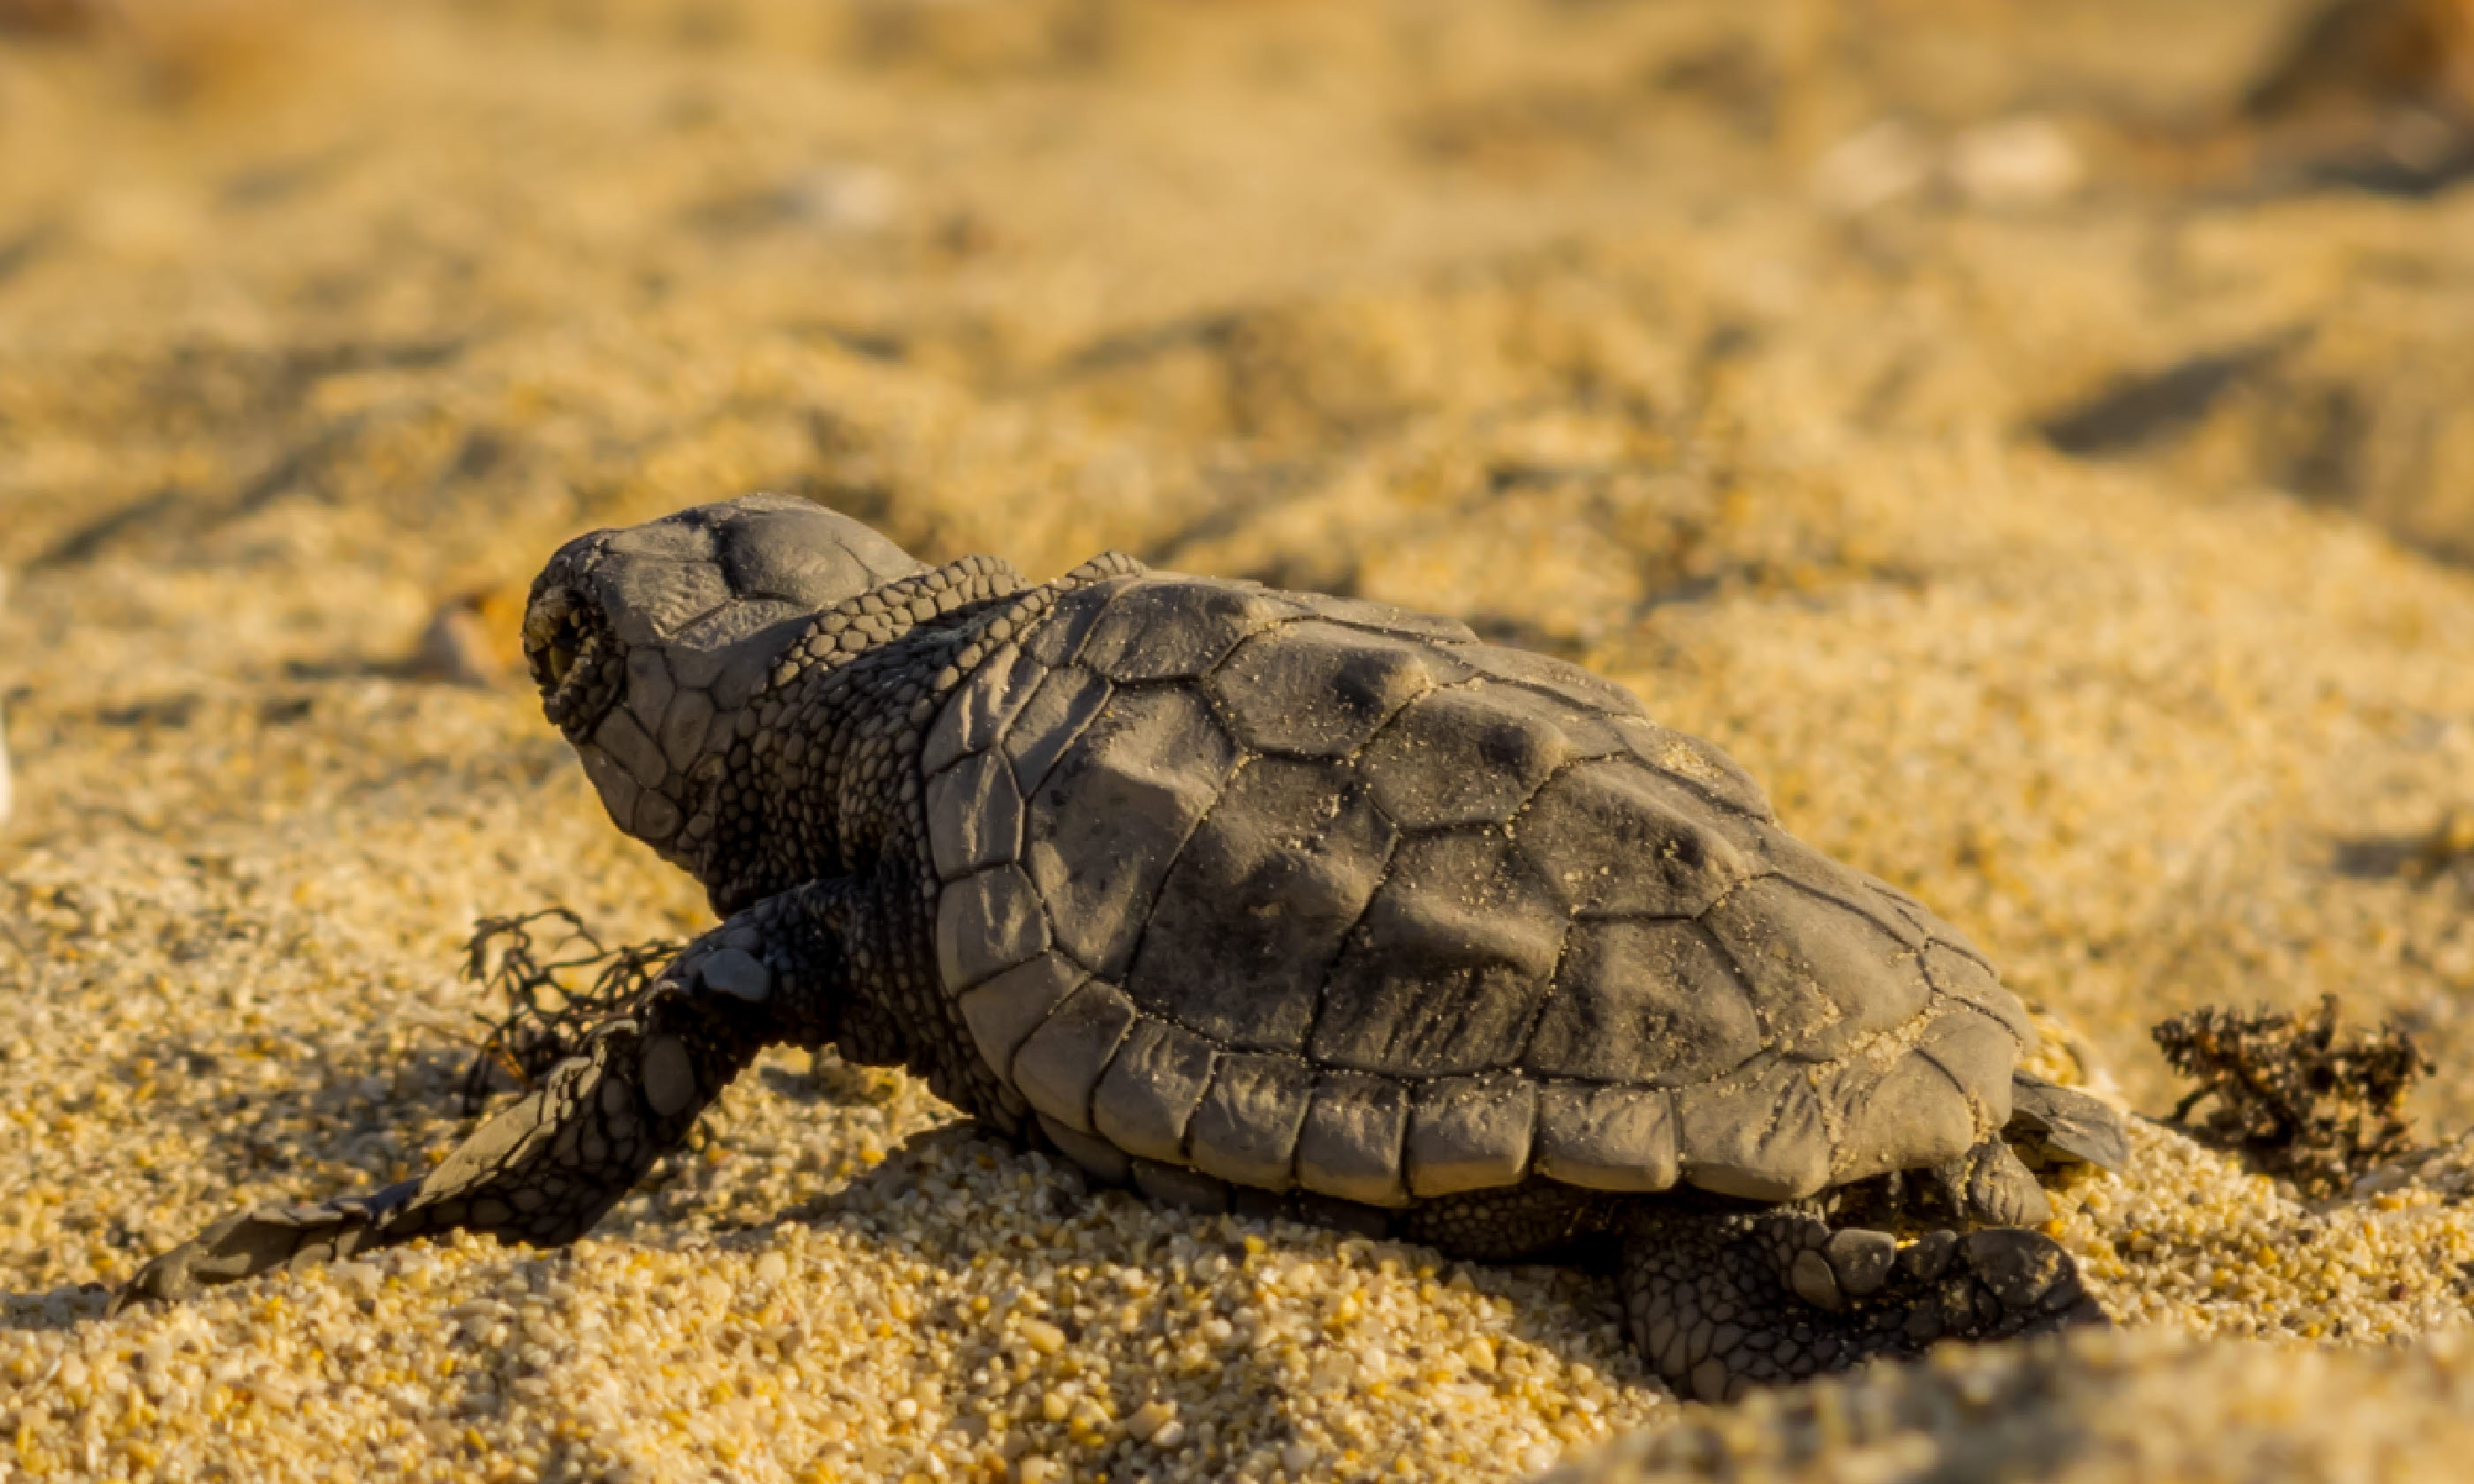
(552, 640)
(573, 660)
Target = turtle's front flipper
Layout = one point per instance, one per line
(546, 1167)
(542, 1171)
(240, 1245)
(1719, 1302)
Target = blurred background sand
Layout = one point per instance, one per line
(2034, 438)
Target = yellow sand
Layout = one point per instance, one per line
(1570, 320)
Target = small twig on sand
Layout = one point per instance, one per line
(548, 1016)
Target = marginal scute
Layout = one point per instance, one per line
(1607, 1139)
(981, 707)
(1061, 1061)
(1445, 972)
(1259, 900)
(1822, 976)
(1177, 628)
(1245, 1130)
(986, 924)
(1468, 755)
(1097, 1158)
(1172, 1184)
(1619, 841)
(1109, 822)
(974, 816)
(1315, 689)
(1050, 721)
(1150, 1090)
(1470, 1133)
(1761, 1134)
(1351, 1145)
(1643, 1001)
(1977, 1053)
(1004, 1012)
(1912, 1116)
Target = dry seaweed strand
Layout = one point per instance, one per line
(548, 1017)
(2290, 1096)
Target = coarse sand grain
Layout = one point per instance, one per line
(2081, 559)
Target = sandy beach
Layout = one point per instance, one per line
(2063, 512)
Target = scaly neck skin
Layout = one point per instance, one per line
(834, 764)
(816, 783)
(822, 784)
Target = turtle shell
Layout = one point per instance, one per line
(1308, 893)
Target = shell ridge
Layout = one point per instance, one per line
(1323, 988)
(1433, 685)
(1743, 989)
(1772, 1132)
(1562, 944)
(1833, 1118)
(1339, 944)
(1323, 980)
(1771, 1034)
(1943, 1067)
(1238, 725)
(1704, 792)
(1792, 884)
(1545, 998)
(1150, 907)
(1924, 917)
(2022, 1030)
(1340, 941)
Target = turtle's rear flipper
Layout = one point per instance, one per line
(1722, 1302)
(2052, 1124)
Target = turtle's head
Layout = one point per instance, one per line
(646, 642)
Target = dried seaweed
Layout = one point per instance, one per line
(2292, 1095)
(548, 1015)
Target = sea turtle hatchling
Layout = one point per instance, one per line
(1264, 902)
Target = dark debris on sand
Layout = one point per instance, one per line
(2292, 1095)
